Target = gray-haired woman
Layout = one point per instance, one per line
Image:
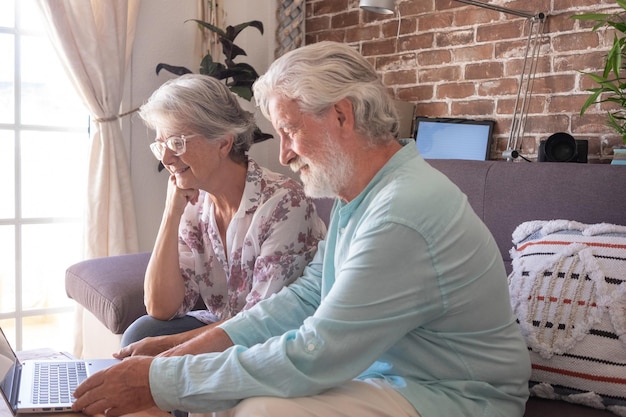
(232, 232)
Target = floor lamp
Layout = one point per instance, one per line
(527, 77)
(536, 23)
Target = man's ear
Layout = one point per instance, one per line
(344, 113)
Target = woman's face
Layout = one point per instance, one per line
(200, 166)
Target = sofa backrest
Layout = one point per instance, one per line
(505, 194)
(323, 207)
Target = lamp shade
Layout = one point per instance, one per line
(378, 6)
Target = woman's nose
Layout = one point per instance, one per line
(168, 156)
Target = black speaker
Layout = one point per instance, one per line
(562, 147)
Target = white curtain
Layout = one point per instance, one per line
(94, 40)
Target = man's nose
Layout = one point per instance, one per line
(286, 153)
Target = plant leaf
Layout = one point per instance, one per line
(210, 67)
(591, 16)
(590, 100)
(259, 136)
(238, 28)
(173, 69)
(209, 26)
(243, 92)
(230, 50)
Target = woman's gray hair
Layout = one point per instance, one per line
(319, 75)
(203, 105)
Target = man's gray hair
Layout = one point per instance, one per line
(203, 105)
(319, 75)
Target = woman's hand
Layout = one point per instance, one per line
(177, 198)
(149, 346)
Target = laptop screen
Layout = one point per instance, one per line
(9, 370)
(449, 138)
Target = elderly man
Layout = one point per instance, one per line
(403, 312)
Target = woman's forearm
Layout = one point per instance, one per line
(164, 288)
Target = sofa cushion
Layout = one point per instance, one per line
(111, 288)
(568, 292)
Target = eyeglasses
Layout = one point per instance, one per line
(176, 144)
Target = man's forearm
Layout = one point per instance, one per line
(206, 339)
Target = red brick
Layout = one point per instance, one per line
(483, 71)
(416, 94)
(432, 109)
(330, 6)
(407, 26)
(501, 31)
(357, 34)
(381, 47)
(317, 24)
(498, 87)
(453, 38)
(460, 90)
(335, 35)
(343, 20)
(437, 57)
(575, 42)
(473, 53)
(563, 103)
(473, 108)
(416, 42)
(411, 8)
(430, 75)
(475, 15)
(396, 62)
(437, 21)
(400, 77)
(555, 84)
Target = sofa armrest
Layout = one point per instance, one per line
(111, 288)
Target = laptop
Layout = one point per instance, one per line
(453, 138)
(40, 385)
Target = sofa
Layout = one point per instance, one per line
(503, 194)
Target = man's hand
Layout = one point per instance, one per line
(121, 389)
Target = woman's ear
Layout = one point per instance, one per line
(225, 145)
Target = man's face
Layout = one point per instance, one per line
(308, 146)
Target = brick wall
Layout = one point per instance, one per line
(458, 60)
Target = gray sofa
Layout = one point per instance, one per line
(504, 194)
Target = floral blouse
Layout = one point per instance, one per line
(269, 241)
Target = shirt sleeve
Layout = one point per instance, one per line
(364, 313)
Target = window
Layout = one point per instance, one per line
(44, 137)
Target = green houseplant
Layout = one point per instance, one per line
(611, 84)
(238, 76)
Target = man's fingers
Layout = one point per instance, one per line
(91, 382)
(96, 407)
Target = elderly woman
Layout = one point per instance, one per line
(232, 232)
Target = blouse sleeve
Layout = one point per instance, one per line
(287, 231)
(190, 245)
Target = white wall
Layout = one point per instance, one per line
(163, 36)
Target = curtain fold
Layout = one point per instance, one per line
(94, 39)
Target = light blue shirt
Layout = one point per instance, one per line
(409, 286)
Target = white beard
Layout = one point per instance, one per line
(327, 177)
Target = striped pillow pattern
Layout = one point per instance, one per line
(568, 291)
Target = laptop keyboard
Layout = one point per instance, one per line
(56, 381)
